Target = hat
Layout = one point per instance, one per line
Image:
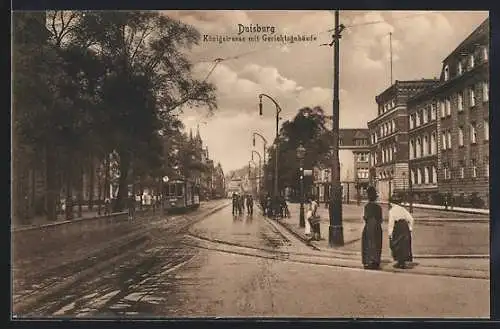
(395, 199)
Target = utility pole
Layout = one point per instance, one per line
(336, 232)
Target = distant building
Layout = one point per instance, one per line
(389, 137)
(354, 150)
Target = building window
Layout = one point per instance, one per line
(460, 136)
(448, 135)
(433, 111)
(462, 170)
(433, 143)
(473, 133)
(443, 140)
(363, 157)
(473, 168)
(445, 172)
(443, 109)
(419, 176)
(434, 175)
(486, 129)
(448, 107)
(426, 176)
(459, 68)
(425, 116)
(394, 150)
(412, 149)
(426, 146)
(460, 100)
(417, 119)
(419, 147)
(472, 97)
(381, 131)
(446, 73)
(486, 90)
(393, 123)
(471, 61)
(485, 53)
(412, 176)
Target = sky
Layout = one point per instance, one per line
(300, 74)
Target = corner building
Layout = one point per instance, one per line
(463, 125)
(389, 137)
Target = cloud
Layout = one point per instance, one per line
(301, 74)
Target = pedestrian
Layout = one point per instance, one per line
(131, 207)
(235, 203)
(309, 214)
(241, 204)
(371, 239)
(250, 204)
(284, 208)
(400, 228)
(269, 205)
(107, 207)
(312, 219)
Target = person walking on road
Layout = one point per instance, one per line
(371, 239)
(235, 204)
(241, 204)
(400, 228)
(250, 204)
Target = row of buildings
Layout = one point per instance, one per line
(430, 137)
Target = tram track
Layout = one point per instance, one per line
(105, 259)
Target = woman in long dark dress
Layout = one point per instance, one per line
(371, 242)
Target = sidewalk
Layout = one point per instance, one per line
(431, 239)
(42, 220)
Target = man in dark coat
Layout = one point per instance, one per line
(235, 203)
(250, 204)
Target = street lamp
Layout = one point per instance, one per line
(260, 166)
(265, 147)
(278, 110)
(301, 152)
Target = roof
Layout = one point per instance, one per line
(349, 135)
(480, 31)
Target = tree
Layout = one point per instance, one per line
(148, 77)
(306, 128)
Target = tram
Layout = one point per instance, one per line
(180, 195)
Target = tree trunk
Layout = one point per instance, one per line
(122, 181)
(91, 183)
(80, 188)
(51, 185)
(69, 191)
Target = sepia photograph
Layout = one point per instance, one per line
(250, 163)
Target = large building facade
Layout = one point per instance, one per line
(449, 129)
(463, 153)
(389, 137)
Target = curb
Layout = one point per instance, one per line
(314, 245)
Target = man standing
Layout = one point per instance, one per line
(235, 204)
(250, 204)
(400, 228)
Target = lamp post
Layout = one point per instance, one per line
(410, 186)
(260, 167)
(404, 186)
(278, 110)
(301, 152)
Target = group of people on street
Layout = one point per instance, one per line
(239, 203)
(276, 207)
(399, 229)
